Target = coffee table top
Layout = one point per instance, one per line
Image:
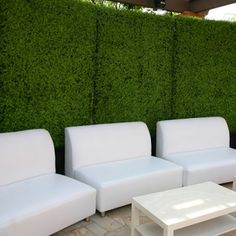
(185, 206)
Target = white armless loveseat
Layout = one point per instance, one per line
(34, 201)
(116, 160)
(200, 145)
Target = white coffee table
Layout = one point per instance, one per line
(197, 210)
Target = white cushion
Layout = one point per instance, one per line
(43, 205)
(217, 165)
(94, 144)
(117, 182)
(184, 135)
(25, 154)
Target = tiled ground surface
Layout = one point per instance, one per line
(115, 223)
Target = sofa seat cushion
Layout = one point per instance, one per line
(44, 205)
(217, 165)
(117, 182)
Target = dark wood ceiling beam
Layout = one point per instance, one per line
(203, 5)
(171, 5)
(144, 3)
(181, 5)
(177, 5)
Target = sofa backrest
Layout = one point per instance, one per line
(183, 135)
(25, 154)
(94, 144)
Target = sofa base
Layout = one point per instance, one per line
(117, 182)
(44, 205)
(217, 165)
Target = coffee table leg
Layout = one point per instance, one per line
(134, 219)
(234, 183)
(168, 232)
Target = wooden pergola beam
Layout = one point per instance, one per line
(177, 5)
(144, 3)
(181, 5)
(171, 5)
(203, 5)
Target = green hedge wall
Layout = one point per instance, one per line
(65, 63)
(47, 65)
(134, 75)
(205, 70)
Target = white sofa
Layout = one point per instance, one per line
(116, 160)
(200, 145)
(33, 199)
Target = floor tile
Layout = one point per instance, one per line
(105, 222)
(96, 229)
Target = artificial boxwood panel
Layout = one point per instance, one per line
(47, 51)
(66, 63)
(134, 71)
(205, 70)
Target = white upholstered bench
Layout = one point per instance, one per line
(116, 160)
(33, 199)
(201, 146)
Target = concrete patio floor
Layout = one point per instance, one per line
(116, 223)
